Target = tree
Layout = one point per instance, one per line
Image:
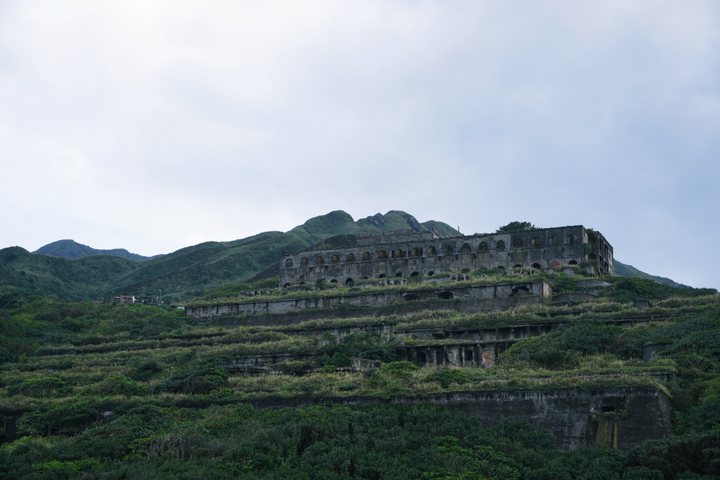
(513, 227)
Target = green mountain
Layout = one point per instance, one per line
(624, 270)
(187, 272)
(71, 249)
(75, 272)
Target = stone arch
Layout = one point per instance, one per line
(398, 274)
(536, 266)
(414, 274)
(349, 281)
(520, 288)
(448, 250)
(334, 259)
(382, 254)
(410, 296)
(288, 263)
(572, 240)
(536, 243)
(572, 262)
(554, 240)
(303, 261)
(350, 258)
(554, 264)
(432, 251)
(366, 257)
(465, 249)
(483, 247)
(382, 275)
(500, 267)
(365, 278)
(518, 243)
(500, 245)
(286, 285)
(430, 273)
(446, 295)
(333, 281)
(319, 260)
(416, 252)
(517, 265)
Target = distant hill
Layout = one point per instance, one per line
(624, 270)
(187, 272)
(75, 272)
(70, 249)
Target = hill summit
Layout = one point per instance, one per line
(71, 249)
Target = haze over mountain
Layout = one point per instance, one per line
(75, 272)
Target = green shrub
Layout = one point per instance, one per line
(117, 385)
(196, 380)
(401, 370)
(38, 387)
(446, 376)
(67, 419)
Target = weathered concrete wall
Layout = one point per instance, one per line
(294, 318)
(407, 256)
(573, 416)
(374, 299)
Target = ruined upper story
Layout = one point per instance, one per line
(405, 253)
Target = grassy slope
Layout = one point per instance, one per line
(187, 272)
(71, 280)
(624, 270)
(162, 352)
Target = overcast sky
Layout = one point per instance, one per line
(157, 125)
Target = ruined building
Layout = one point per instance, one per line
(405, 253)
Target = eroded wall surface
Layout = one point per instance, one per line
(426, 254)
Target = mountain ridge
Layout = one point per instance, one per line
(192, 270)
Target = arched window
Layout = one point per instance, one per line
(303, 261)
(536, 242)
(554, 240)
(448, 250)
(432, 251)
(366, 257)
(517, 243)
(288, 263)
(398, 253)
(500, 245)
(350, 257)
(382, 254)
(319, 261)
(572, 240)
(416, 252)
(334, 259)
(483, 247)
(465, 248)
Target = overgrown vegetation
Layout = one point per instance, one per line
(132, 391)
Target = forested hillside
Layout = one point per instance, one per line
(132, 391)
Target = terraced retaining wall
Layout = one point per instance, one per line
(484, 298)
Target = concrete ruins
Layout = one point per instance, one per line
(405, 253)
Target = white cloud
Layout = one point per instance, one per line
(152, 126)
